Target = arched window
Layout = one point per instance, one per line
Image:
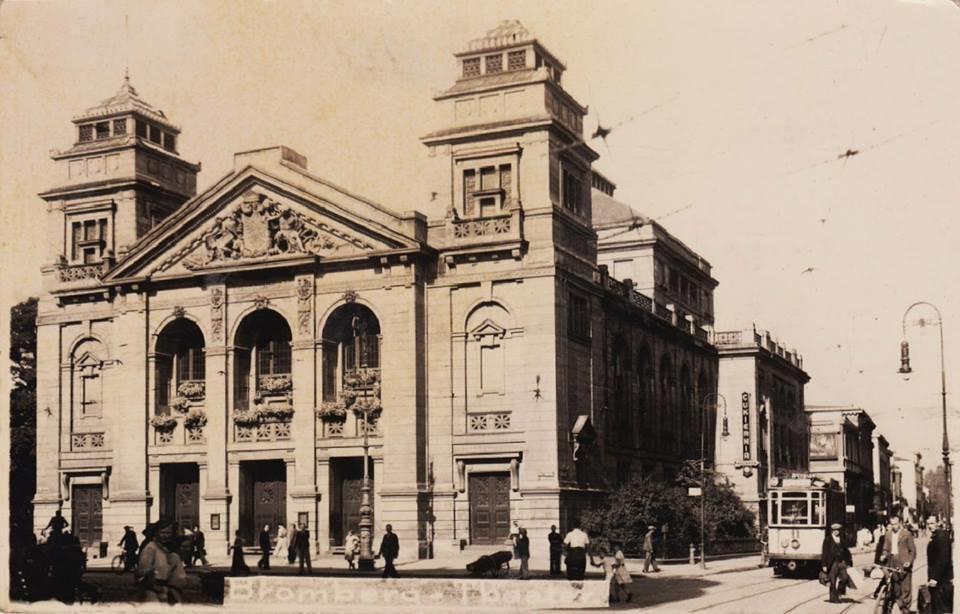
(179, 360)
(87, 363)
(351, 351)
(262, 357)
(666, 402)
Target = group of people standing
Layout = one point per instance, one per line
(895, 555)
(294, 545)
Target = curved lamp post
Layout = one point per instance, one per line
(905, 369)
(717, 398)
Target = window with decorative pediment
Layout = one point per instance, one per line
(486, 351)
(87, 367)
(89, 239)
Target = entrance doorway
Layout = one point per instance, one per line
(87, 519)
(346, 477)
(263, 497)
(489, 508)
(180, 493)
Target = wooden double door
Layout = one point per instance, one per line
(87, 521)
(263, 498)
(180, 493)
(347, 482)
(489, 508)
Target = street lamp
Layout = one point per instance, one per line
(905, 369)
(365, 562)
(716, 397)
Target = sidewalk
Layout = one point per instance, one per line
(721, 566)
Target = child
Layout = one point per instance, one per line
(621, 577)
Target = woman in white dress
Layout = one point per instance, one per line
(281, 549)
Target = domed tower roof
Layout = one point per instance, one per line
(126, 101)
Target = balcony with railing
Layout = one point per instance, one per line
(179, 429)
(343, 417)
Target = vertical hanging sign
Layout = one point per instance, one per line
(745, 410)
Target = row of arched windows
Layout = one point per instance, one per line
(263, 354)
(655, 406)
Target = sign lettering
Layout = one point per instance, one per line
(745, 409)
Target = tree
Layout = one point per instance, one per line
(23, 413)
(625, 514)
(934, 483)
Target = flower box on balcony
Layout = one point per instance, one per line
(332, 411)
(180, 404)
(274, 384)
(196, 418)
(163, 422)
(192, 389)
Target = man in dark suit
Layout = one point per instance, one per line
(264, 562)
(303, 548)
(940, 570)
(390, 550)
(834, 559)
(899, 552)
(556, 549)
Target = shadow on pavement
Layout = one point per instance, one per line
(648, 592)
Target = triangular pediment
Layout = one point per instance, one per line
(488, 327)
(252, 218)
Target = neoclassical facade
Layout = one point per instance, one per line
(219, 358)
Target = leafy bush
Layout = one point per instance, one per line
(625, 514)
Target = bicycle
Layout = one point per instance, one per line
(118, 563)
(887, 597)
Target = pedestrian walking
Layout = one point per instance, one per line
(513, 537)
(556, 549)
(881, 537)
(940, 569)
(303, 549)
(264, 562)
(56, 525)
(160, 573)
(351, 546)
(899, 551)
(283, 546)
(523, 551)
(130, 546)
(238, 566)
(649, 551)
(576, 543)
(390, 550)
(292, 548)
(621, 575)
(834, 559)
(199, 547)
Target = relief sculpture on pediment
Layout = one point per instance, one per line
(260, 227)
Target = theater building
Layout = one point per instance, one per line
(211, 356)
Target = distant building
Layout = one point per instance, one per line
(841, 448)
(911, 499)
(763, 430)
(882, 473)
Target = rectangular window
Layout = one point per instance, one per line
(155, 134)
(190, 365)
(103, 130)
(164, 381)
(471, 67)
(88, 240)
(491, 369)
(579, 317)
(330, 371)
(517, 60)
(169, 141)
(86, 133)
(571, 192)
(488, 207)
(241, 382)
(494, 63)
(141, 129)
(119, 127)
(273, 358)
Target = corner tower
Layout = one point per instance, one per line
(122, 176)
(510, 170)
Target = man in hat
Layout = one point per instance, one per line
(556, 549)
(649, 554)
(130, 545)
(899, 552)
(940, 571)
(160, 571)
(835, 557)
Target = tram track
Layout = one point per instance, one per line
(849, 607)
(751, 595)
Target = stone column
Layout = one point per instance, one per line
(302, 485)
(154, 488)
(323, 506)
(231, 522)
(52, 416)
(214, 484)
(127, 403)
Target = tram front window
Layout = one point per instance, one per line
(794, 512)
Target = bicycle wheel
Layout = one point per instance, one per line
(117, 564)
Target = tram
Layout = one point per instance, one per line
(799, 510)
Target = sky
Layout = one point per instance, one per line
(730, 121)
